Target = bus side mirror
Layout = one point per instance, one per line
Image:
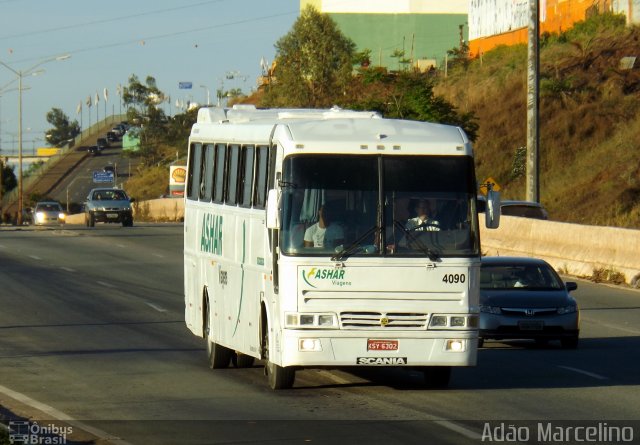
(492, 212)
(273, 204)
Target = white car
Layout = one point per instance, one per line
(48, 213)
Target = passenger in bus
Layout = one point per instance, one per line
(324, 233)
(424, 220)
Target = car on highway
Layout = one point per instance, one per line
(525, 298)
(93, 150)
(48, 213)
(102, 143)
(108, 205)
(111, 136)
(525, 209)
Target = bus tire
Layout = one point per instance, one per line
(219, 357)
(279, 377)
(437, 377)
(241, 360)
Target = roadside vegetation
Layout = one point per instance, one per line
(589, 124)
(589, 120)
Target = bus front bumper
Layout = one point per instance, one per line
(318, 349)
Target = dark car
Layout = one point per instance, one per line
(93, 150)
(102, 143)
(108, 205)
(112, 136)
(525, 209)
(524, 298)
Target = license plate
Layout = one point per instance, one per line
(112, 215)
(382, 345)
(531, 325)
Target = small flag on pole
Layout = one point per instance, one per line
(79, 108)
(106, 95)
(89, 101)
(97, 98)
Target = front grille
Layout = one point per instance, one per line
(529, 312)
(383, 321)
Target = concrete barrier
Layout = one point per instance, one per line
(584, 251)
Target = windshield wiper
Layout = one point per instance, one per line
(285, 184)
(352, 247)
(410, 234)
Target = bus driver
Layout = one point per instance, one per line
(323, 233)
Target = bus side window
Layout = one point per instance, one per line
(246, 182)
(221, 155)
(260, 184)
(207, 173)
(195, 159)
(232, 175)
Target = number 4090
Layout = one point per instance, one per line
(454, 278)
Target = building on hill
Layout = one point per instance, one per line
(423, 29)
(500, 22)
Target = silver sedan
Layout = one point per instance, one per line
(47, 213)
(524, 298)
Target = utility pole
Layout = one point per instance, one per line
(533, 104)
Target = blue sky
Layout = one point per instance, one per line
(198, 41)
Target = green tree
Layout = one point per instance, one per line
(143, 101)
(314, 63)
(9, 181)
(63, 129)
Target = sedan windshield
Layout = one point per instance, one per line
(341, 206)
(525, 277)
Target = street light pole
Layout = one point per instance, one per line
(208, 94)
(21, 74)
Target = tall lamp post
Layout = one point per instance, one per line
(208, 94)
(21, 74)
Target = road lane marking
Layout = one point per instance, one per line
(122, 246)
(587, 373)
(35, 257)
(158, 255)
(156, 307)
(106, 284)
(59, 415)
(452, 426)
(68, 269)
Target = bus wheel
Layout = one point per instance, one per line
(437, 377)
(241, 360)
(279, 377)
(219, 356)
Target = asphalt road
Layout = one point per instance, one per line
(91, 325)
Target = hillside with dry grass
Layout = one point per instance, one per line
(589, 121)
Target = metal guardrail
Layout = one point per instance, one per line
(10, 198)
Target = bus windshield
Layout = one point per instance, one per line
(414, 206)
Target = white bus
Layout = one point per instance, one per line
(305, 243)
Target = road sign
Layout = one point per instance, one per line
(100, 176)
(185, 85)
(489, 181)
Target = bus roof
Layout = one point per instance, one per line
(313, 129)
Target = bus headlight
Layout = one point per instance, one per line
(453, 321)
(296, 320)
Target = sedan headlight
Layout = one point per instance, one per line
(296, 320)
(567, 310)
(40, 216)
(61, 216)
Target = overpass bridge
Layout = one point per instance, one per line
(42, 181)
